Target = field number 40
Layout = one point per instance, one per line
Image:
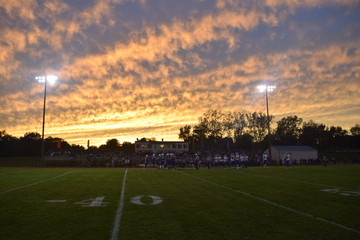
(99, 201)
(93, 202)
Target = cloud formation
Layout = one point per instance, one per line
(132, 68)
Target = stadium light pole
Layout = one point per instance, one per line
(44, 79)
(266, 89)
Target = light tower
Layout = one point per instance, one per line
(266, 89)
(44, 79)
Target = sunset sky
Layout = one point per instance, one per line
(143, 68)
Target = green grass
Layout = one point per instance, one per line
(253, 203)
(20, 161)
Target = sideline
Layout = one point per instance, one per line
(275, 204)
(119, 211)
(32, 184)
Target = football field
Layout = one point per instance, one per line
(117, 203)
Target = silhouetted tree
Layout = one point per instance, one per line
(30, 144)
(112, 144)
(214, 125)
(355, 137)
(199, 138)
(92, 149)
(8, 144)
(239, 124)
(52, 143)
(313, 134)
(257, 125)
(244, 142)
(185, 133)
(211, 124)
(77, 148)
(335, 137)
(355, 130)
(288, 130)
(127, 147)
(228, 124)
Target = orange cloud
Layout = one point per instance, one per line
(161, 76)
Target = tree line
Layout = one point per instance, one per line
(30, 145)
(224, 131)
(215, 131)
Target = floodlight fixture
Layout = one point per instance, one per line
(261, 88)
(41, 79)
(49, 78)
(268, 88)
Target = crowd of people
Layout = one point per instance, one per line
(197, 160)
(169, 160)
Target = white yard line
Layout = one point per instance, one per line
(119, 211)
(276, 204)
(300, 181)
(35, 183)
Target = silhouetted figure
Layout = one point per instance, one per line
(265, 159)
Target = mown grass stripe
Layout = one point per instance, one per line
(119, 211)
(275, 204)
(300, 181)
(4, 173)
(35, 183)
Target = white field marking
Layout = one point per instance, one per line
(98, 202)
(55, 201)
(119, 211)
(156, 200)
(299, 181)
(277, 205)
(35, 183)
(93, 202)
(137, 200)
